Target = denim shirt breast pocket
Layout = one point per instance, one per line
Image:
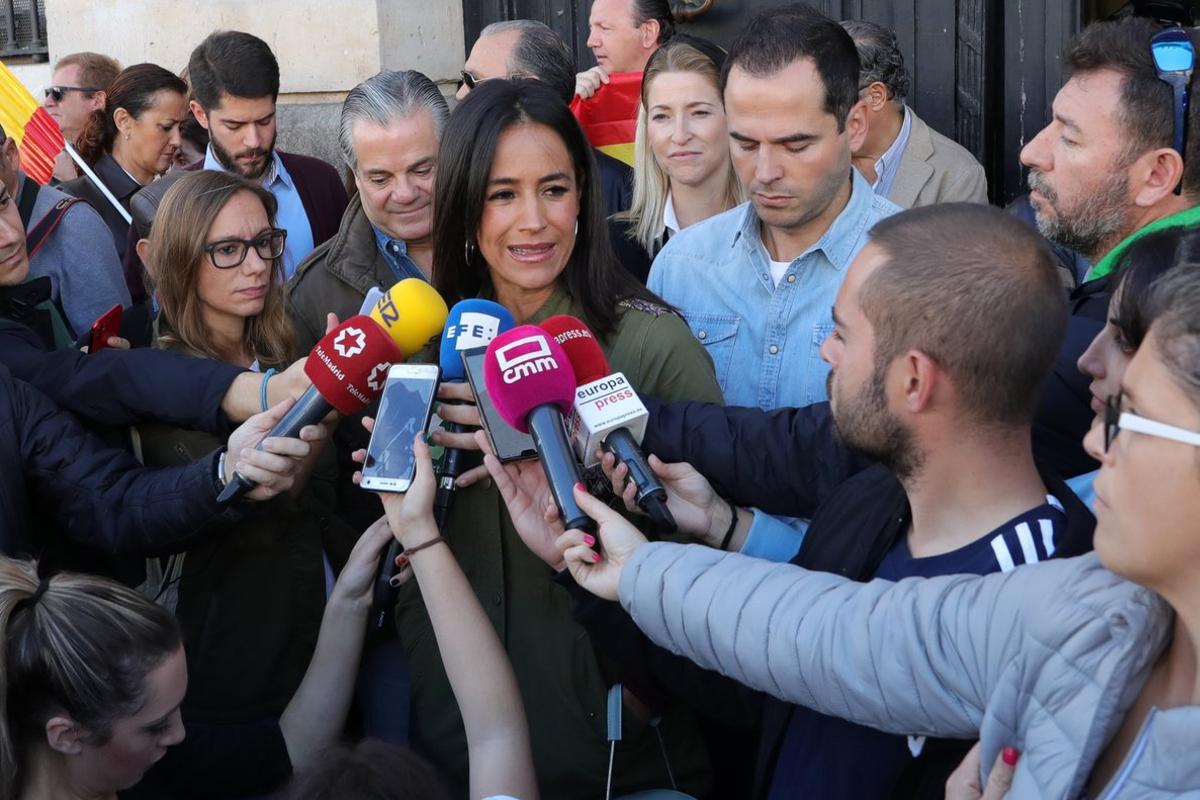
(817, 373)
(718, 334)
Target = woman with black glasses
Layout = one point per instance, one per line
(249, 599)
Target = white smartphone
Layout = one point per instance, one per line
(403, 413)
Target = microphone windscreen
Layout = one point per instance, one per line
(583, 351)
(412, 313)
(525, 368)
(472, 323)
(349, 365)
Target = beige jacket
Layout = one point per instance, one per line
(935, 169)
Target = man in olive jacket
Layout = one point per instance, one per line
(389, 135)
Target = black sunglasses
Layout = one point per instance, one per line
(59, 92)
(230, 253)
(468, 80)
(1174, 58)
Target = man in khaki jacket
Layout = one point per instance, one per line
(388, 134)
(906, 161)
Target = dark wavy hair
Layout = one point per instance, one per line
(133, 90)
(592, 277)
(1144, 261)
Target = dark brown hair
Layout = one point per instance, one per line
(133, 90)
(592, 276)
(372, 770)
(976, 290)
(1147, 103)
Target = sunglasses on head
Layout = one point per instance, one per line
(1174, 58)
(57, 93)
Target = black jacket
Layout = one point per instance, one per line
(102, 501)
(854, 526)
(118, 388)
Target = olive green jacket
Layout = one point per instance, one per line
(561, 680)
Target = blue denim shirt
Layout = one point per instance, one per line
(395, 253)
(289, 214)
(764, 340)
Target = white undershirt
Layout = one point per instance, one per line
(670, 220)
(778, 270)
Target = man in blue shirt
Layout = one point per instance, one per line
(389, 133)
(757, 282)
(235, 83)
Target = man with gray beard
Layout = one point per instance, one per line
(1103, 172)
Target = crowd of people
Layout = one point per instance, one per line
(932, 463)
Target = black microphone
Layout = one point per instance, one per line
(651, 494)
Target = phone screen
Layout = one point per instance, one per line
(403, 413)
(508, 443)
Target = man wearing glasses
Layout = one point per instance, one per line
(77, 88)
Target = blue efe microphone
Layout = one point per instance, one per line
(472, 323)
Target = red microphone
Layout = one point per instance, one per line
(608, 414)
(531, 384)
(348, 369)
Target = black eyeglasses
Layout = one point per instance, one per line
(230, 253)
(1116, 420)
(59, 92)
(1174, 59)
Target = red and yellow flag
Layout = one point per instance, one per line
(609, 117)
(36, 133)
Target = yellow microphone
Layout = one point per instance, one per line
(413, 313)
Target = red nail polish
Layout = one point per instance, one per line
(595, 558)
(1010, 756)
(401, 561)
(589, 540)
(581, 487)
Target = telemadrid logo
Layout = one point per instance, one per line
(378, 376)
(350, 342)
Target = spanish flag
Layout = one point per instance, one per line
(609, 117)
(36, 133)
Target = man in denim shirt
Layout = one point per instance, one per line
(757, 283)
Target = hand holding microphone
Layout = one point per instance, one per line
(531, 383)
(472, 323)
(607, 414)
(347, 368)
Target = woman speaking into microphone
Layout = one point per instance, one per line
(518, 219)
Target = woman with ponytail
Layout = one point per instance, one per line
(131, 141)
(91, 679)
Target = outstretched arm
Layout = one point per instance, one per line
(480, 675)
(316, 714)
